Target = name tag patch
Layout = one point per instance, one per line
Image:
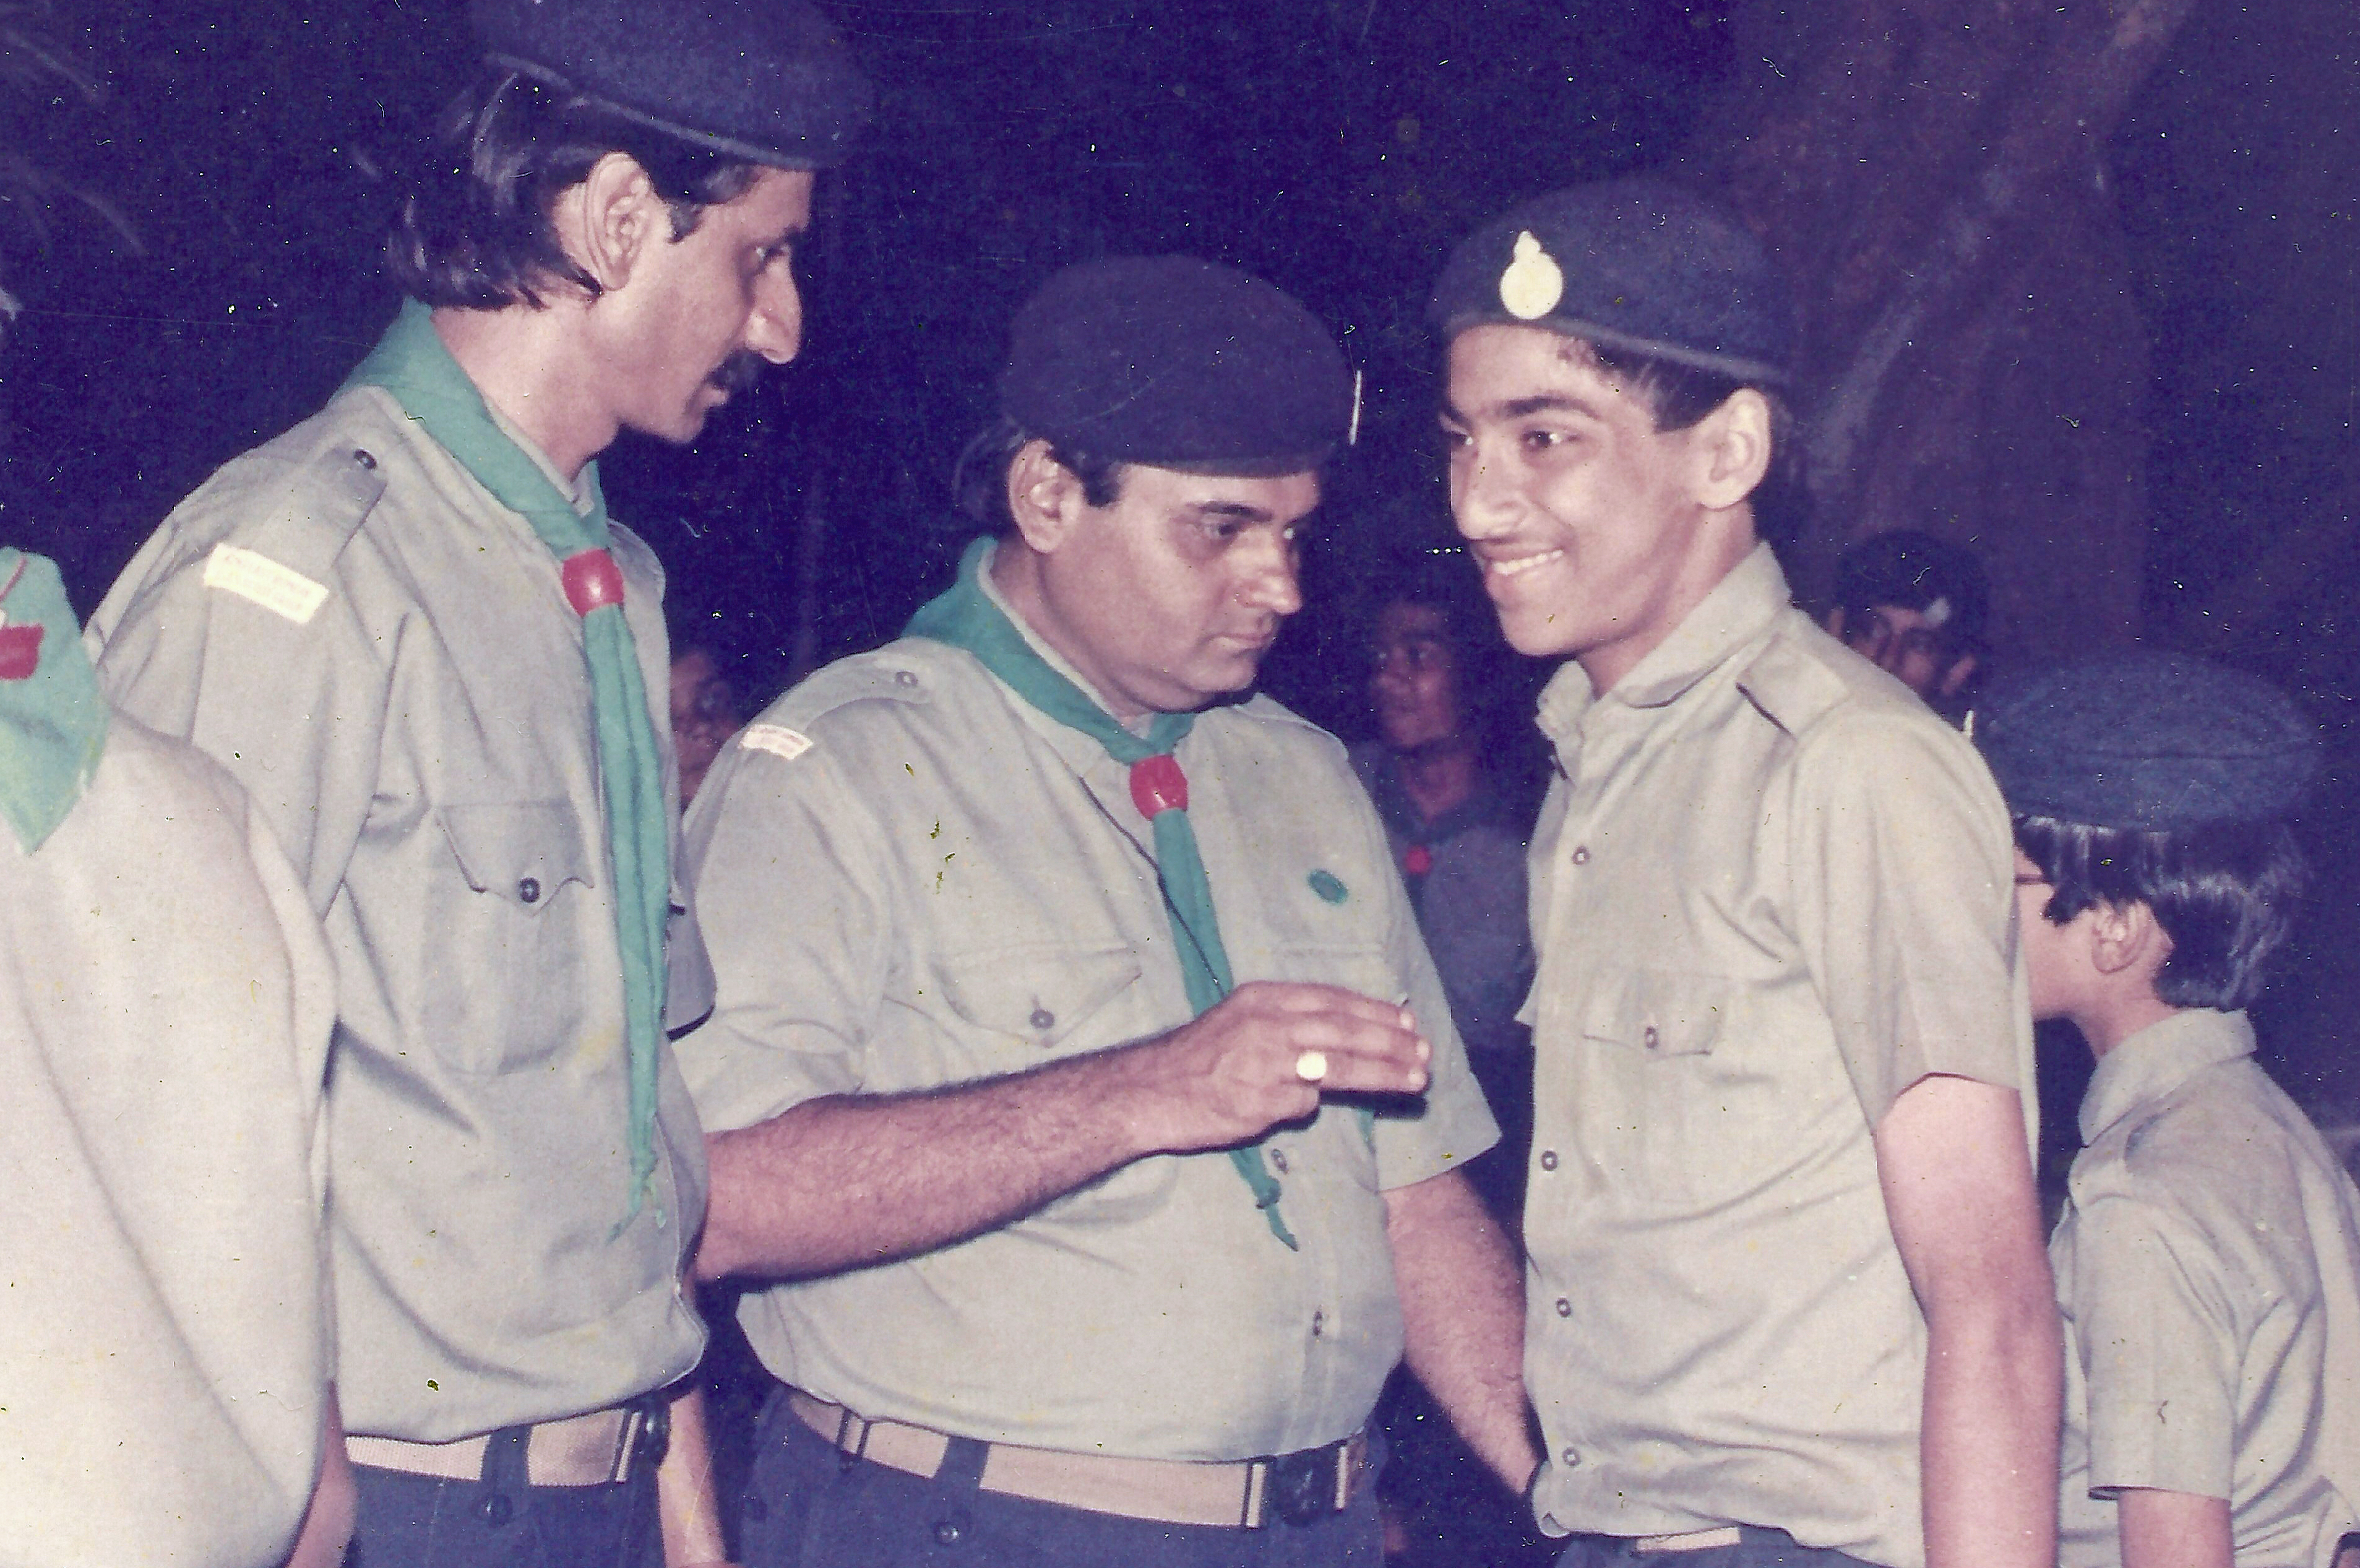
(775, 738)
(279, 589)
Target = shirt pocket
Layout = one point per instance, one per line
(512, 935)
(1025, 1006)
(1674, 1112)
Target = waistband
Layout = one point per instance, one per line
(593, 1450)
(1245, 1493)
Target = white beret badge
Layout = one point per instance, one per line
(1532, 284)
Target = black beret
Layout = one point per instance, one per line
(1177, 363)
(1910, 570)
(770, 80)
(2158, 742)
(1636, 265)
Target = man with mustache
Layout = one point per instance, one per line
(1788, 1302)
(409, 630)
(1084, 1097)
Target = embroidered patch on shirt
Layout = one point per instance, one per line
(1328, 886)
(279, 589)
(777, 739)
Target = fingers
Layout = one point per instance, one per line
(1332, 1039)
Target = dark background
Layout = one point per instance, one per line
(1338, 148)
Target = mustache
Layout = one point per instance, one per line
(740, 371)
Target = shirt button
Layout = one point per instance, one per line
(1278, 1161)
(1564, 1308)
(907, 679)
(948, 1532)
(1581, 854)
(528, 889)
(1652, 1037)
(1042, 1018)
(1548, 1160)
(364, 457)
(1319, 1324)
(1569, 1457)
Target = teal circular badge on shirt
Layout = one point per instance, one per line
(1328, 885)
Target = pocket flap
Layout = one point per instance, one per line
(1039, 994)
(1662, 1012)
(522, 850)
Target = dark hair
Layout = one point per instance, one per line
(979, 481)
(1909, 570)
(2224, 894)
(1679, 396)
(474, 229)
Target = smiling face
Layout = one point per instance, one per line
(1414, 681)
(1597, 532)
(698, 316)
(1170, 595)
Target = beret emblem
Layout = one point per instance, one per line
(1532, 283)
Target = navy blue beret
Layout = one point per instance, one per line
(1637, 264)
(2158, 742)
(769, 81)
(1177, 363)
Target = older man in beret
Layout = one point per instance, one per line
(409, 630)
(1080, 1083)
(1787, 1296)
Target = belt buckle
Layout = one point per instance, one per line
(1303, 1485)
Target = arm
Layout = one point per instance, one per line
(1462, 1312)
(691, 1524)
(2172, 1530)
(855, 1179)
(1958, 1190)
(328, 1522)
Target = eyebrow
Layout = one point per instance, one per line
(1236, 509)
(1524, 408)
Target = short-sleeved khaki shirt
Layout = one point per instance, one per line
(2209, 1267)
(1771, 890)
(165, 1003)
(905, 877)
(384, 656)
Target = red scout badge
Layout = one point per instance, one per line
(592, 581)
(1157, 785)
(1418, 859)
(20, 646)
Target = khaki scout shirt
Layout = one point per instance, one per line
(2209, 1266)
(1772, 890)
(165, 1001)
(906, 878)
(384, 657)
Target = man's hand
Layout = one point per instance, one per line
(1263, 1056)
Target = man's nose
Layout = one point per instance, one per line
(1482, 501)
(1272, 583)
(775, 330)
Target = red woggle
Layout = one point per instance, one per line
(1157, 785)
(20, 652)
(1418, 859)
(592, 581)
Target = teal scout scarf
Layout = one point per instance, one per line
(53, 719)
(412, 363)
(966, 618)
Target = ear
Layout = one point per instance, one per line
(1954, 680)
(606, 223)
(2126, 938)
(1045, 497)
(1732, 446)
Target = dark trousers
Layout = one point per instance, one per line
(807, 1507)
(1758, 1549)
(500, 1522)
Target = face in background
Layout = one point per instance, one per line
(1413, 678)
(1906, 645)
(1589, 522)
(704, 716)
(1169, 597)
(698, 316)
(2048, 947)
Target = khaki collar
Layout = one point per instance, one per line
(2158, 1060)
(1741, 607)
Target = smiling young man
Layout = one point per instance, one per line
(1786, 1297)
(409, 630)
(1087, 1109)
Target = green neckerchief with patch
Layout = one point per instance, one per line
(966, 618)
(52, 718)
(412, 363)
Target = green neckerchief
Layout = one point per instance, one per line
(966, 618)
(52, 719)
(411, 363)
